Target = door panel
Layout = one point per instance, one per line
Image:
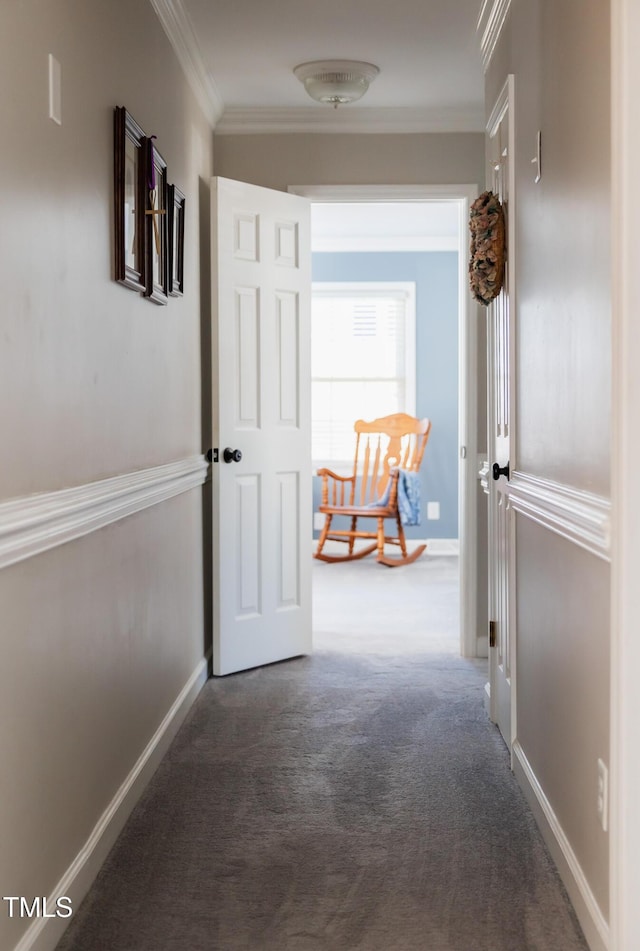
(248, 357)
(288, 534)
(261, 406)
(248, 567)
(288, 371)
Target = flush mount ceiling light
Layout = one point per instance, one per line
(336, 81)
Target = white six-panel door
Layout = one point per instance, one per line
(261, 406)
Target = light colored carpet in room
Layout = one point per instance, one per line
(354, 800)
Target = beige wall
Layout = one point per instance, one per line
(559, 53)
(563, 673)
(563, 235)
(99, 635)
(119, 376)
(278, 161)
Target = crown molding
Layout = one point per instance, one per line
(493, 15)
(179, 29)
(321, 118)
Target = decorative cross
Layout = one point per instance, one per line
(153, 194)
(155, 211)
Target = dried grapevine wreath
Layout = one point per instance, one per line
(486, 266)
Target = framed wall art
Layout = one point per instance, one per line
(156, 228)
(176, 241)
(129, 199)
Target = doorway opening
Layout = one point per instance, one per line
(416, 235)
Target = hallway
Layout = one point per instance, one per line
(355, 800)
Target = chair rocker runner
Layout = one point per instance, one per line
(388, 451)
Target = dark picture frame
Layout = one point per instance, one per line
(156, 224)
(129, 201)
(176, 241)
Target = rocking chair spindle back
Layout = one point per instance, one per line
(383, 447)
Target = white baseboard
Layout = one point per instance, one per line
(592, 921)
(440, 546)
(435, 546)
(44, 933)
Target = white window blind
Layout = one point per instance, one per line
(362, 363)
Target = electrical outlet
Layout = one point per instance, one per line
(318, 521)
(433, 510)
(603, 795)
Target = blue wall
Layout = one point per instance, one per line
(435, 274)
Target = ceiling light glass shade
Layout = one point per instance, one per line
(336, 81)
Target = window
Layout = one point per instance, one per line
(362, 361)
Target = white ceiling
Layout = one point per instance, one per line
(245, 50)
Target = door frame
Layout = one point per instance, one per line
(624, 841)
(504, 106)
(471, 643)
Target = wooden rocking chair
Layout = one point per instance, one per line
(383, 447)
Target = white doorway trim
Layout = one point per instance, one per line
(470, 642)
(625, 458)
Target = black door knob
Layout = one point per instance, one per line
(498, 471)
(232, 455)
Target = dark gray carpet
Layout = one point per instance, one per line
(349, 801)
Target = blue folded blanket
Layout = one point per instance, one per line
(408, 497)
